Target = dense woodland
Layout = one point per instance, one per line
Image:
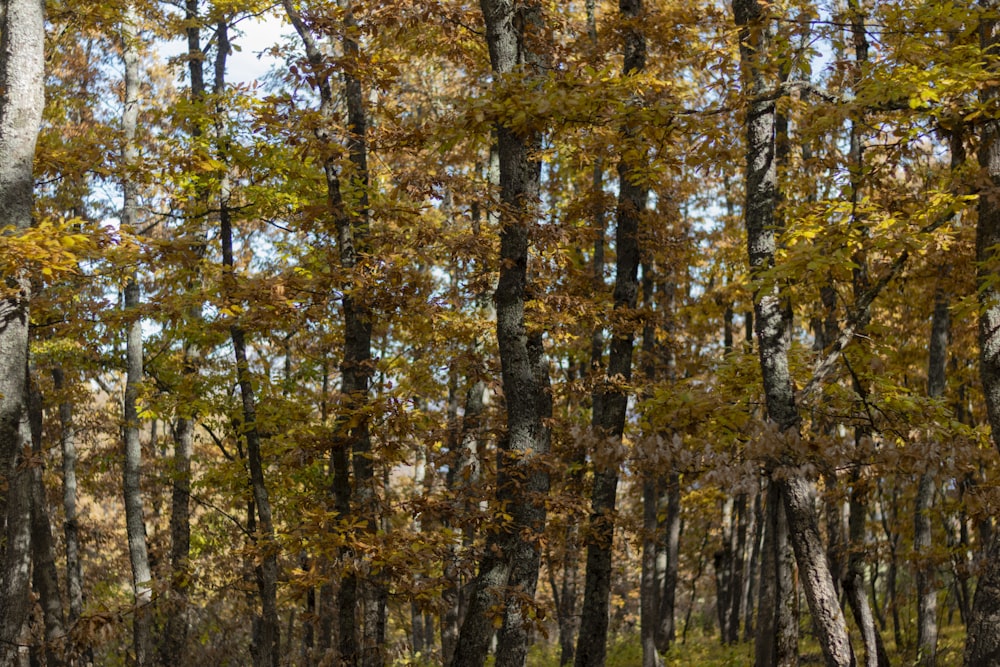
(529, 332)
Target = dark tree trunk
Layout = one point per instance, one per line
(609, 413)
(983, 640)
(352, 450)
(45, 578)
(509, 569)
(71, 528)
(173, 647)
(266, 639)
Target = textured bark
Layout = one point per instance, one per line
(352, 446)
(777, 642)
(173, 647)
(45, 578)
(266, 640)
(772, 322)
(609, 413)
(649, 595)
(983, 639)
(71, 527)
(134, 512)
(509, 568)
(21, 75)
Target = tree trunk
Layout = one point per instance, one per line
(926, 590)
(922, 538)
(353, 440)
(982, 647)
(266, 640)
(668, 559)
(71, 528)
(777, 643)
(854, 583)
(22, 36)
(134, 513)
(753, 565)
(173, 647)
(609, 414)
(44, 575)
(773, 324)
(462, 477)
(509, 568)
(649, 594)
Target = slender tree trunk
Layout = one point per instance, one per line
(653, 491)
(773, 320)
(462, 477)
(44, 575)
(569, 616)
(854, 583)
(134, 513)
(738, 568)
(982, 647)
(357, 367)
(922, 539)
(649, 599)
(174, 642)
(71, 528)
(266, 632)
(753, 565)
(22, 36)
(668, 561)
(353, 449)
(609, 415)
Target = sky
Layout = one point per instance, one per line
(249, 63)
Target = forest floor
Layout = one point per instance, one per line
(705, 650)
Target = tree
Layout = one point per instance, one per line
(772, 319)
(22, 35)
(610, 410)
(508, 571)
(983, 645)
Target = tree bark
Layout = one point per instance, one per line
(772, 321)
(609, 413)
(509, 568)
(649, 595)
(173, 647)
(134, 513)
(352, 446)
(22, 36)
(71, 529)
(266, 640)
(44, 575)
(982, 647)
(777, 642)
